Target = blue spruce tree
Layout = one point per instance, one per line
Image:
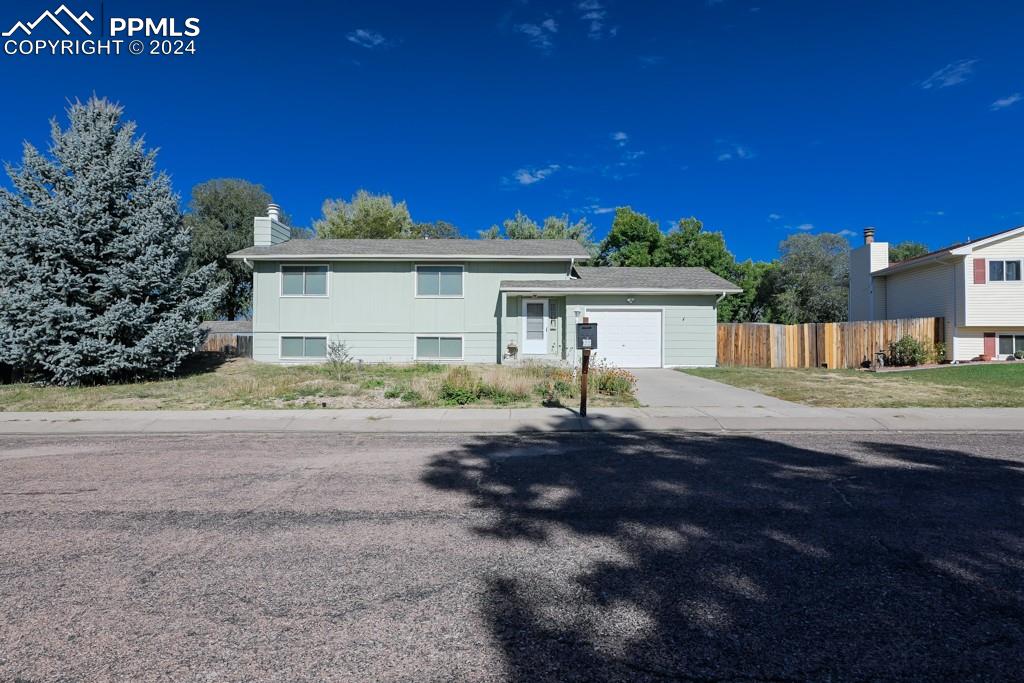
(93, 255)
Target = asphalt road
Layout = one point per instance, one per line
(632, 557)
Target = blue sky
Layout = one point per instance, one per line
(762, 118)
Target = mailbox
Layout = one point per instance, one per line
(586, 336)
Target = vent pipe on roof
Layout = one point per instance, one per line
(274, 212)
(869, 235)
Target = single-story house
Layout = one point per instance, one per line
(479, 301)
(976, 286)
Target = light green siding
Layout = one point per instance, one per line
(689, 324)
(372, 306)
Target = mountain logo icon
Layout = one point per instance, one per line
(69, 17)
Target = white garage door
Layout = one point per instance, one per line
(628, 338)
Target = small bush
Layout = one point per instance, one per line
(392, 392)
(374, 383)
(938, 352)
(1019, 355)
(459, 387)
(907, 351)
(411, 396)
(340, 362)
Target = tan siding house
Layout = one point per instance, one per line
(977, 286)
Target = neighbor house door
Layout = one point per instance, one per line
(535, 326)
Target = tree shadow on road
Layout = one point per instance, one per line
(659, 556)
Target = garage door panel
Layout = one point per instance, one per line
(628, 338)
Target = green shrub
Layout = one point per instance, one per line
(501, 395)
(907, 351)
(392, 392)
(938, 352)
(374, 383)
(1019, 354)
(339, 361)
(459, 387)
(411, 396)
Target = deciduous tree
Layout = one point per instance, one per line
(220, 220)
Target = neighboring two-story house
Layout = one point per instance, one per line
(976, 286)
(480, 301)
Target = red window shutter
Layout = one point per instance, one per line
(979, 271)
(990, 342)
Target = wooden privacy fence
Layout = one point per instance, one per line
(819, 345)
(230, 344)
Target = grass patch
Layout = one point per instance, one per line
(241, 383)
(967, 386)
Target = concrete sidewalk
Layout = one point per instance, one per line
(504, 420)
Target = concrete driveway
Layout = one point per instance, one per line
(665, 388)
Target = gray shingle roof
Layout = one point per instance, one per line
(227, 326)
(419, 249)
(690, 279)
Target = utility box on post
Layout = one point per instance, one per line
(586, 336)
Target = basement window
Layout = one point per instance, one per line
(438, 348)
(1010, 344)
(304, 347)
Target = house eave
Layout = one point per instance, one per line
(392, 257)
(556, 291)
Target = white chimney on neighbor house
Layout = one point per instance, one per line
(867, 292)
(269, 229)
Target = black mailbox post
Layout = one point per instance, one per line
(586, 341)
(586, 336)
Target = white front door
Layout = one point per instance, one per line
(628, 338)
(535, 326)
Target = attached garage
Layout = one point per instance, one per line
(646, 317)
(628, 337)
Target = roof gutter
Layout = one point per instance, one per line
(391, 257)
(619, 290)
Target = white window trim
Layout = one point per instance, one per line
(420, 335)
(304, 335)
(659, 309)
(1004, 261)
(547, 318)
(280, 281)
(416, 281)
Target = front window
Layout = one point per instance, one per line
(303, 280)
(1010, 344)
(439, 281)
(438, 348)
(304, 347)
(1004, 271)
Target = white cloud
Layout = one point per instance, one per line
(736, 152)
(953, 73)
(540, 35)
(620, 138)
(367, 38)
(595, 14)
(650, 60)
(1004, 102)
(597, 209)
(774, 216)
(805, 227)
(847, 233)
(529, 176)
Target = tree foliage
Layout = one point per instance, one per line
(438, 230)
(634, 240)
(814, 279)
(221, 221)
(94, 284)
(903, 251)
(367, 216)
(522, 227)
